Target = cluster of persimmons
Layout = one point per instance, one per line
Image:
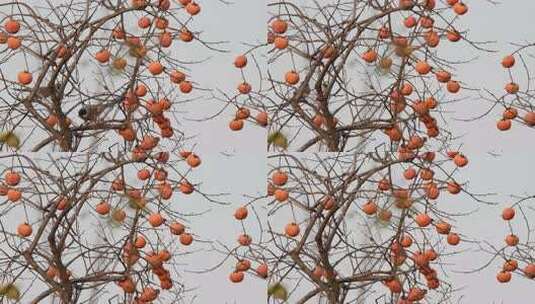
(511, 111)
(511, 264)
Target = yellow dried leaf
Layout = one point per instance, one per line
(10, 291)
(278, 139)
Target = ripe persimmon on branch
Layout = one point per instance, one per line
(104, 227)
(247, 251)
(516, 255)
(79, 73)
(518, 95)
(340, 72)
(346, 227)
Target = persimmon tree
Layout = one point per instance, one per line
(370, 82)
(79, 228)
(341, 72)
(355, 227)
(371, 78)
(81, 73)
(516, 255)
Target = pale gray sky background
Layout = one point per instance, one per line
(243, 173)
